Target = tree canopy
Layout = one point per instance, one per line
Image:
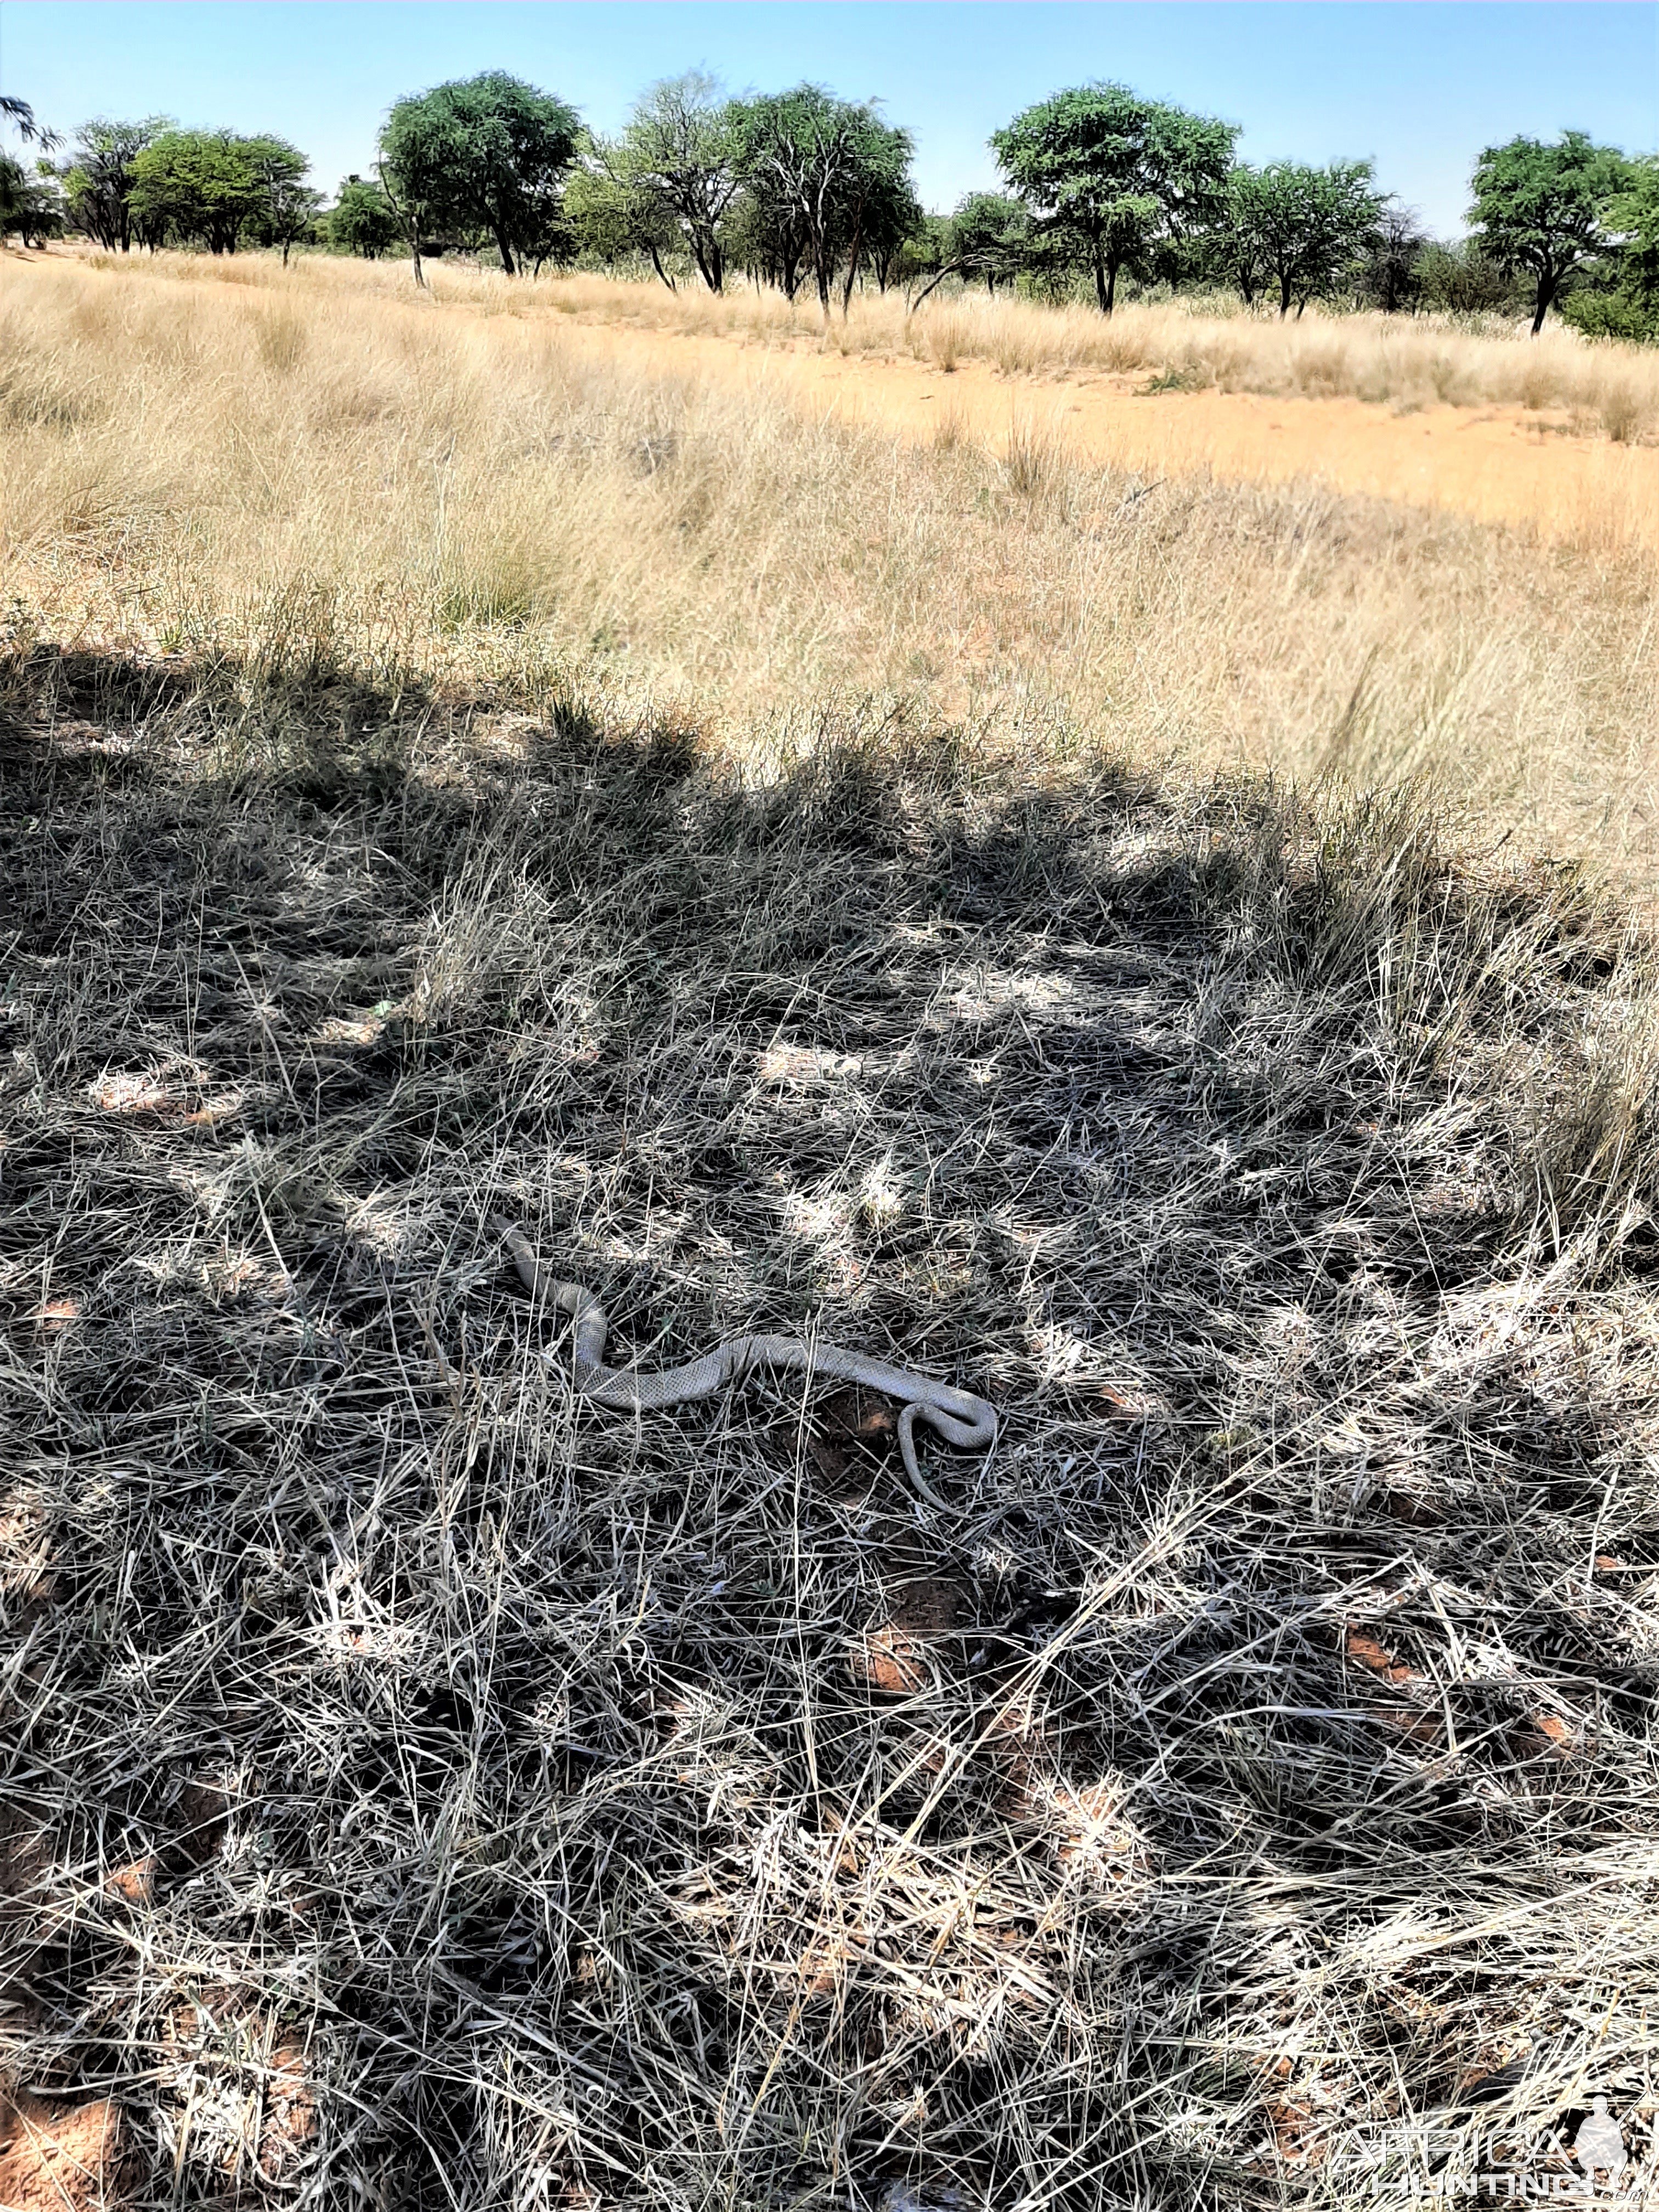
(99, 178)
(1110, 176)
(30, 201)
(675, 165)
(615, 220)
(826, 181)
(1547, 208)
(362, 221)
(286, 210)
(1635, 215)
(486, 154)
(800, 186)
(1298, 228)
(207, 186)
(987, 238)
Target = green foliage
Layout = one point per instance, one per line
(363, 220)
(99, 178)
(1460, 280)
(1619, 297)
(1111, 176)
(1618, 314)
(1635, 215)
(31, 201)
(674, 168)
(925, 254)
(208, 187)
(616, 223)
(1298, 228)
(990, 236)
(285, 214)
(486, 155)
(1547, 208)
(21, 118)
(826, 185)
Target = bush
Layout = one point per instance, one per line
(1612, 315)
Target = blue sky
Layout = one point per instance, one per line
(1420, 86)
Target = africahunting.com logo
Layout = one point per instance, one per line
(1594, 2157)
(1604, 2168)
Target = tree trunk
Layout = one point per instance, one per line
(286, 242)
(852, 272)
(1284, 297)
(706, 252)
(1102, 293)
(933, 285)
(413, 227)
(506, 252)
(656, 263)
(1110, 300)
(1547, 291)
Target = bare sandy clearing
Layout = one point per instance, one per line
(1493, 463)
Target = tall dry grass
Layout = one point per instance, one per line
(1391, 360)
(336, 473)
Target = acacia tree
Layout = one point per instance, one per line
(1636, 216)
(1622, 298)
(989, 234)
(1392, 277)
(614, 221)
(826, 181)
(675, 163)
(488, 153)
(1547, 210)
(29, 204)
(209, 186)
(895, 221)
(286, 210)
(1299, 227)
(1111, 177)
(97, 178)
(362, 221)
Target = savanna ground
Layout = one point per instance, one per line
(1168, 954)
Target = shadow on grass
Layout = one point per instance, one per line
(676, 1812)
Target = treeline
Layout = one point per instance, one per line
(801, 191)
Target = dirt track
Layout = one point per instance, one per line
(1503, 465)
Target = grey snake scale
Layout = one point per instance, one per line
(966, 1422)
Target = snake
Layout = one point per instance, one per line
(966, 1422)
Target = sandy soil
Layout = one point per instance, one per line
(1503, 465)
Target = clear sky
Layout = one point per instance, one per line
(1419, 85)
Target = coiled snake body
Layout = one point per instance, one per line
(963, 1420)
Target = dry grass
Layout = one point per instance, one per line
(339, 477)
(438, 779)
(1383, 359)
